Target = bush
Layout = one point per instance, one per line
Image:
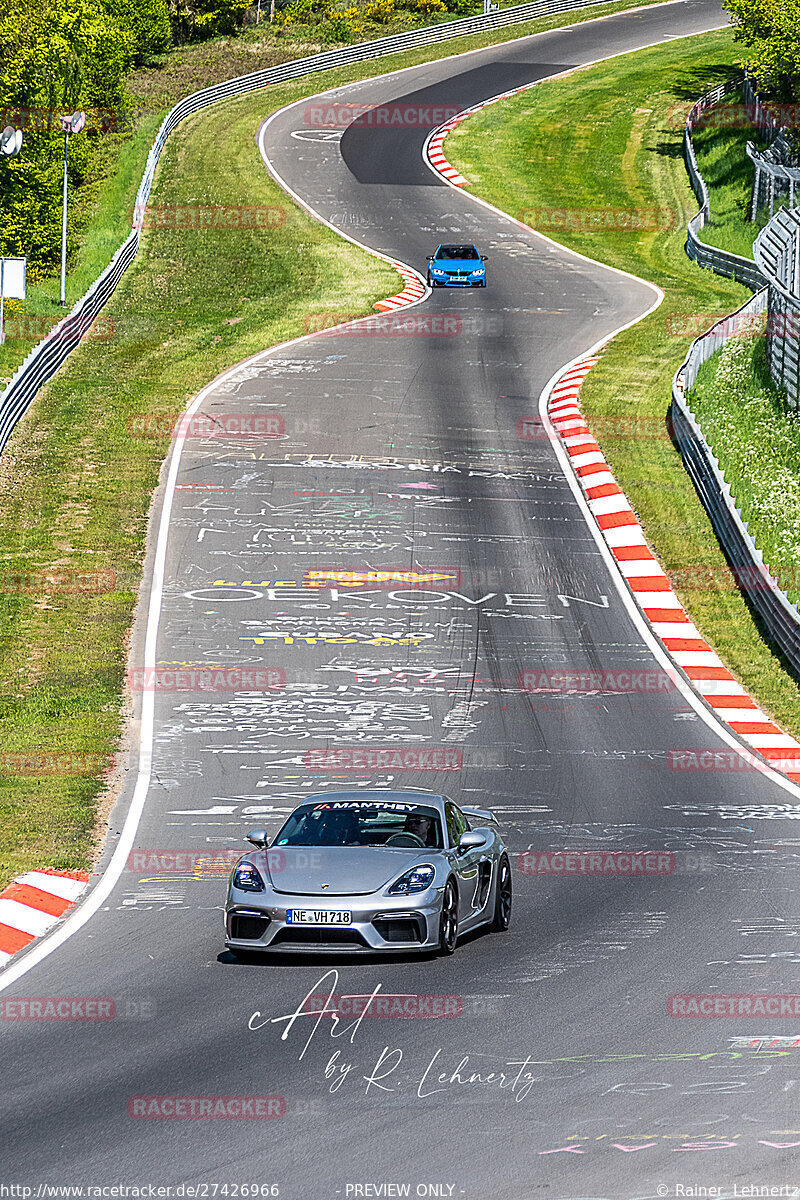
(296, 10)
(341, 25)
(147, 21)
(381, 11)
(193, 20)
(429, 7)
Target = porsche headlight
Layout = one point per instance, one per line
(247, 879)
(415, 880)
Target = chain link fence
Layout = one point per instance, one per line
(777, 251)
(723, 262)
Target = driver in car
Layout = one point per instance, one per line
(338, 828)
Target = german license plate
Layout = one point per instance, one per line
(310, 916)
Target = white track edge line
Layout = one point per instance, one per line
(86, 908)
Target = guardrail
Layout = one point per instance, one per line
(45, 358)
(763, 117)
(723, 262)
(780, 618)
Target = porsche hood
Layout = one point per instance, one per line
(335, 870)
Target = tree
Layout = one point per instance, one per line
(195, 19)
(146, 20)
(55, 56)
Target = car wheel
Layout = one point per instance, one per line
(448, 928)
(428, 280)
(503, 897)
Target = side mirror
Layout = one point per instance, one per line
(428, 258)
(258, 837)
(471, 840)
(483, 258)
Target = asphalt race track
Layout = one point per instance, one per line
(561, 1073)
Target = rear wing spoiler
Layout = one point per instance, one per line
(482, 814)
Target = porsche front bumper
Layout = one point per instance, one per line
(379, 923)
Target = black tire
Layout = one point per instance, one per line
(503, 897)
(448, 925)
(428, 280)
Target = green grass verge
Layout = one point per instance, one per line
(720, 149)
(618, 149)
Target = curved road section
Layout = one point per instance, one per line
(589, 1051)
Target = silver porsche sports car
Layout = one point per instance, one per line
(370, 871)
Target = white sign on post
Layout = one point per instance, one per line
(12, 285)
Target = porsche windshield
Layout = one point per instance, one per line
(362, 823)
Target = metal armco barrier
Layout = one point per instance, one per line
(46, 358)
(743, 270)
(780, 618)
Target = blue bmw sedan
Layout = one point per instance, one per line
(456, 266)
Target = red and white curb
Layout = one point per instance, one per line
(433, 149)
(414, 290)
(651, 587)
(435, 154)
(33, 904)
